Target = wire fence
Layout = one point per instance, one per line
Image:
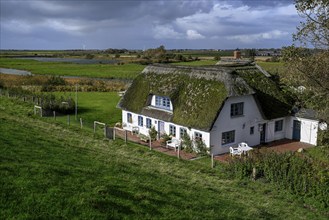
(99, 129)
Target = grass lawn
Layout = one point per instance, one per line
(126, 71)
(95, 106)
(49, 171)
(272, 67)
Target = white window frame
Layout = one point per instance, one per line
(172, 130)
(129, 117)
(140, 121)
(237, 109)
(227, 139)
(197, 136)
(278, 125)
(148, 123)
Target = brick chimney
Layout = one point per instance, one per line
(237, 54)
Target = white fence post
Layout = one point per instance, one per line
(35, 110)
(100, 123)
(212, 160)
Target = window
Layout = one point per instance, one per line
(278, 125)
(237, 109)
(157, 101)
(182, 132)
(252, 129)
(129, 118)
(197, 136)
(162, 102)
(172, 130)
(228, 137)
(140, 121)
(148, 123)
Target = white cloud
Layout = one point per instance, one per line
(166, 32)
(194, 35)
(252, 38)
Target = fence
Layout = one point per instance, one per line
(100, 129)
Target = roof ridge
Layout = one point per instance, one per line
(234, 84)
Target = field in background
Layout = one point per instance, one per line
(125, 71)
(95, 106)
(273, 67)
(51, 171)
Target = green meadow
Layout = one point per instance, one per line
(94, 106)
(50, 171)
(272, 67)
(125, 71)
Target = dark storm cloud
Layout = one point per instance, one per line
(138, 24)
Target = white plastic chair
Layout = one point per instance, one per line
(243, 144)
(173, 143)
(235, 151)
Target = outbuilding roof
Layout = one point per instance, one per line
(198, 93)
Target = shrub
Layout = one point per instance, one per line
(295, 172)
(153, 133)
(200, 147)
(187, 143)
(164, 138)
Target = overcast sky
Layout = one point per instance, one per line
(137, 24)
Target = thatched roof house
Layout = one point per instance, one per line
(198, 93)
(198, 96)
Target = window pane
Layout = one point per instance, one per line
(172, 130)
(252, 130)
(140, 120)
(197, 136)
(182, 132)
(237, 109)
(228, 137)
(129, 117)
(278, 125)
(148, 123)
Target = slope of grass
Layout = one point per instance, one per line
(48, 171)
(126, 71)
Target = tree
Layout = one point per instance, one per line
(315, 28)
(309, 67)
(250, 53)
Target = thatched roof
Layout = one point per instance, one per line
(197, 93)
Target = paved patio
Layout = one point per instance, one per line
(280, 146)
(156, 145)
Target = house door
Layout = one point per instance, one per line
(161, 129)
(296, 130)
(262, 129)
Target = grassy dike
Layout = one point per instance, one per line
(51, 171)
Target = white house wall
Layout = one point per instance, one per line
(145, 131)
(308, 131)
(271, 134)
(241, 124)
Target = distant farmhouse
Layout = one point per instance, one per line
(220, 105)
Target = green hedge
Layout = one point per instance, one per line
(298, 172)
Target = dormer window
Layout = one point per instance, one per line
(162, 102)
